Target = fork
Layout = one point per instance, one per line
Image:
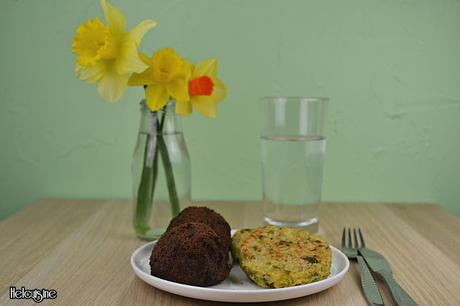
(350, 249)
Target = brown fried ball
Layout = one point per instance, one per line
(208, 217)
(192, 254)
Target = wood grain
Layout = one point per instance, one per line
(82, 249)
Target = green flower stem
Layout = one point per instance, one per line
(154, 172)
(172, 191)
(146, 188)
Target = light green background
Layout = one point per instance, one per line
(391, 69)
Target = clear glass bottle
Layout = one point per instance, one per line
(160, 170)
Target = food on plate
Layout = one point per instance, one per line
(208, 217)
(275, 257)
(190, 253)
(194, 251)
(237, 239)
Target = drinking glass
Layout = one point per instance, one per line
(292, 149)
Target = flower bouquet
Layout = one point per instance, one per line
(108, 55)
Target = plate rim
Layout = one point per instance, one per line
(339, 276)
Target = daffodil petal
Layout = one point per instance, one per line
(187, 69)
(115, 18)
(141, 79)
(207, 67)
(205, 105)
(138, 32)
(219, 90)
(178, 89)
(112, 86)
(144, 58)
(129, 61)
(90, 75)
(157, 96)
(183, 108)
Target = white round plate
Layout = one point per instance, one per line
(237, 287)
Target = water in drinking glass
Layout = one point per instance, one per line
(292, 169)
(292, 147)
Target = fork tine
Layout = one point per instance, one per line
(350, 243)
(363, 244)
(356, 242)
(343, 238)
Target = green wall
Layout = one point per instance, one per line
(391, 69)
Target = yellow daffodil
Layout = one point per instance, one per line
(107, 54)
(167, 76)
(205, 90)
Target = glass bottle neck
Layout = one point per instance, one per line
(163, 121)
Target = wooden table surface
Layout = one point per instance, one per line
(82, 249)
